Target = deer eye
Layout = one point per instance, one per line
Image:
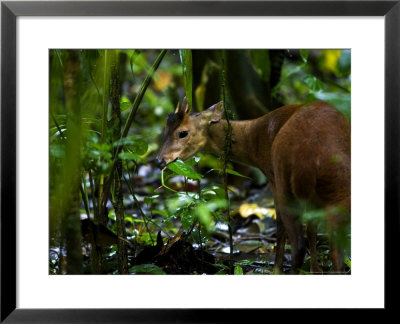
(183, 134)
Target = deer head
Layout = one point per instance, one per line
(186, 134)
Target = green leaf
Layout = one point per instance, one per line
(205, 217)
(124, 103)
(134, 144)
(314, 216)
(184, 169)
(238, 270)
(212, 194)
(57, 151)
(261, 62)
(187, 219)
(245, 262)
(111, 215)
(233, 172)
(342, 101)
(220, 265)
(193, 161)
(149, 200)
(347, 261)
(304, 55)
(135, 53)
(128, 156)
(180, 200)
(186, 59)
(313, 83)
(139, 147)
(160, 212)
(146, 269)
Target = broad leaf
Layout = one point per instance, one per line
(184, 169)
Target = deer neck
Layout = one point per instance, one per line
(251, 140)
(241, 143)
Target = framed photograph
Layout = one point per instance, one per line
(119, 173)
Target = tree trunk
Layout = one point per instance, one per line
(71, 170)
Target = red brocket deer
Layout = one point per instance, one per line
(304, 151)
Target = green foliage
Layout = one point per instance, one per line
(146, 269)
(184, 169)
(204, 206)
(304, 54)
(124, 103)
(151, 84)
(238, 270)
(261, 62)
(230, 171)
(317, 75)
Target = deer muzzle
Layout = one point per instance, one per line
(160, 163)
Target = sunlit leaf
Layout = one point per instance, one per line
(124, 103)
(347, 261)
(331, 59)
(247, 210)
(111, 215)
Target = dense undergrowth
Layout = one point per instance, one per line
(112, 211)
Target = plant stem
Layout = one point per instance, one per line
(116, 128)
(85, 198)
(140, 209)
(92, 190)
(227, 152)
(135, 107)
(106, 80)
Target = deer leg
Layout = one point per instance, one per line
(337, 259)
(335, 250)
(312, 240)
(294, 229)
(280, 234)
(280, 244)
(337, 236)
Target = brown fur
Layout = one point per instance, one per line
(304, 150)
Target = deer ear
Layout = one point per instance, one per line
(215, 112)
(177, 108)
(184, 109)
(185, 106)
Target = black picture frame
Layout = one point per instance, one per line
(10, 10)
